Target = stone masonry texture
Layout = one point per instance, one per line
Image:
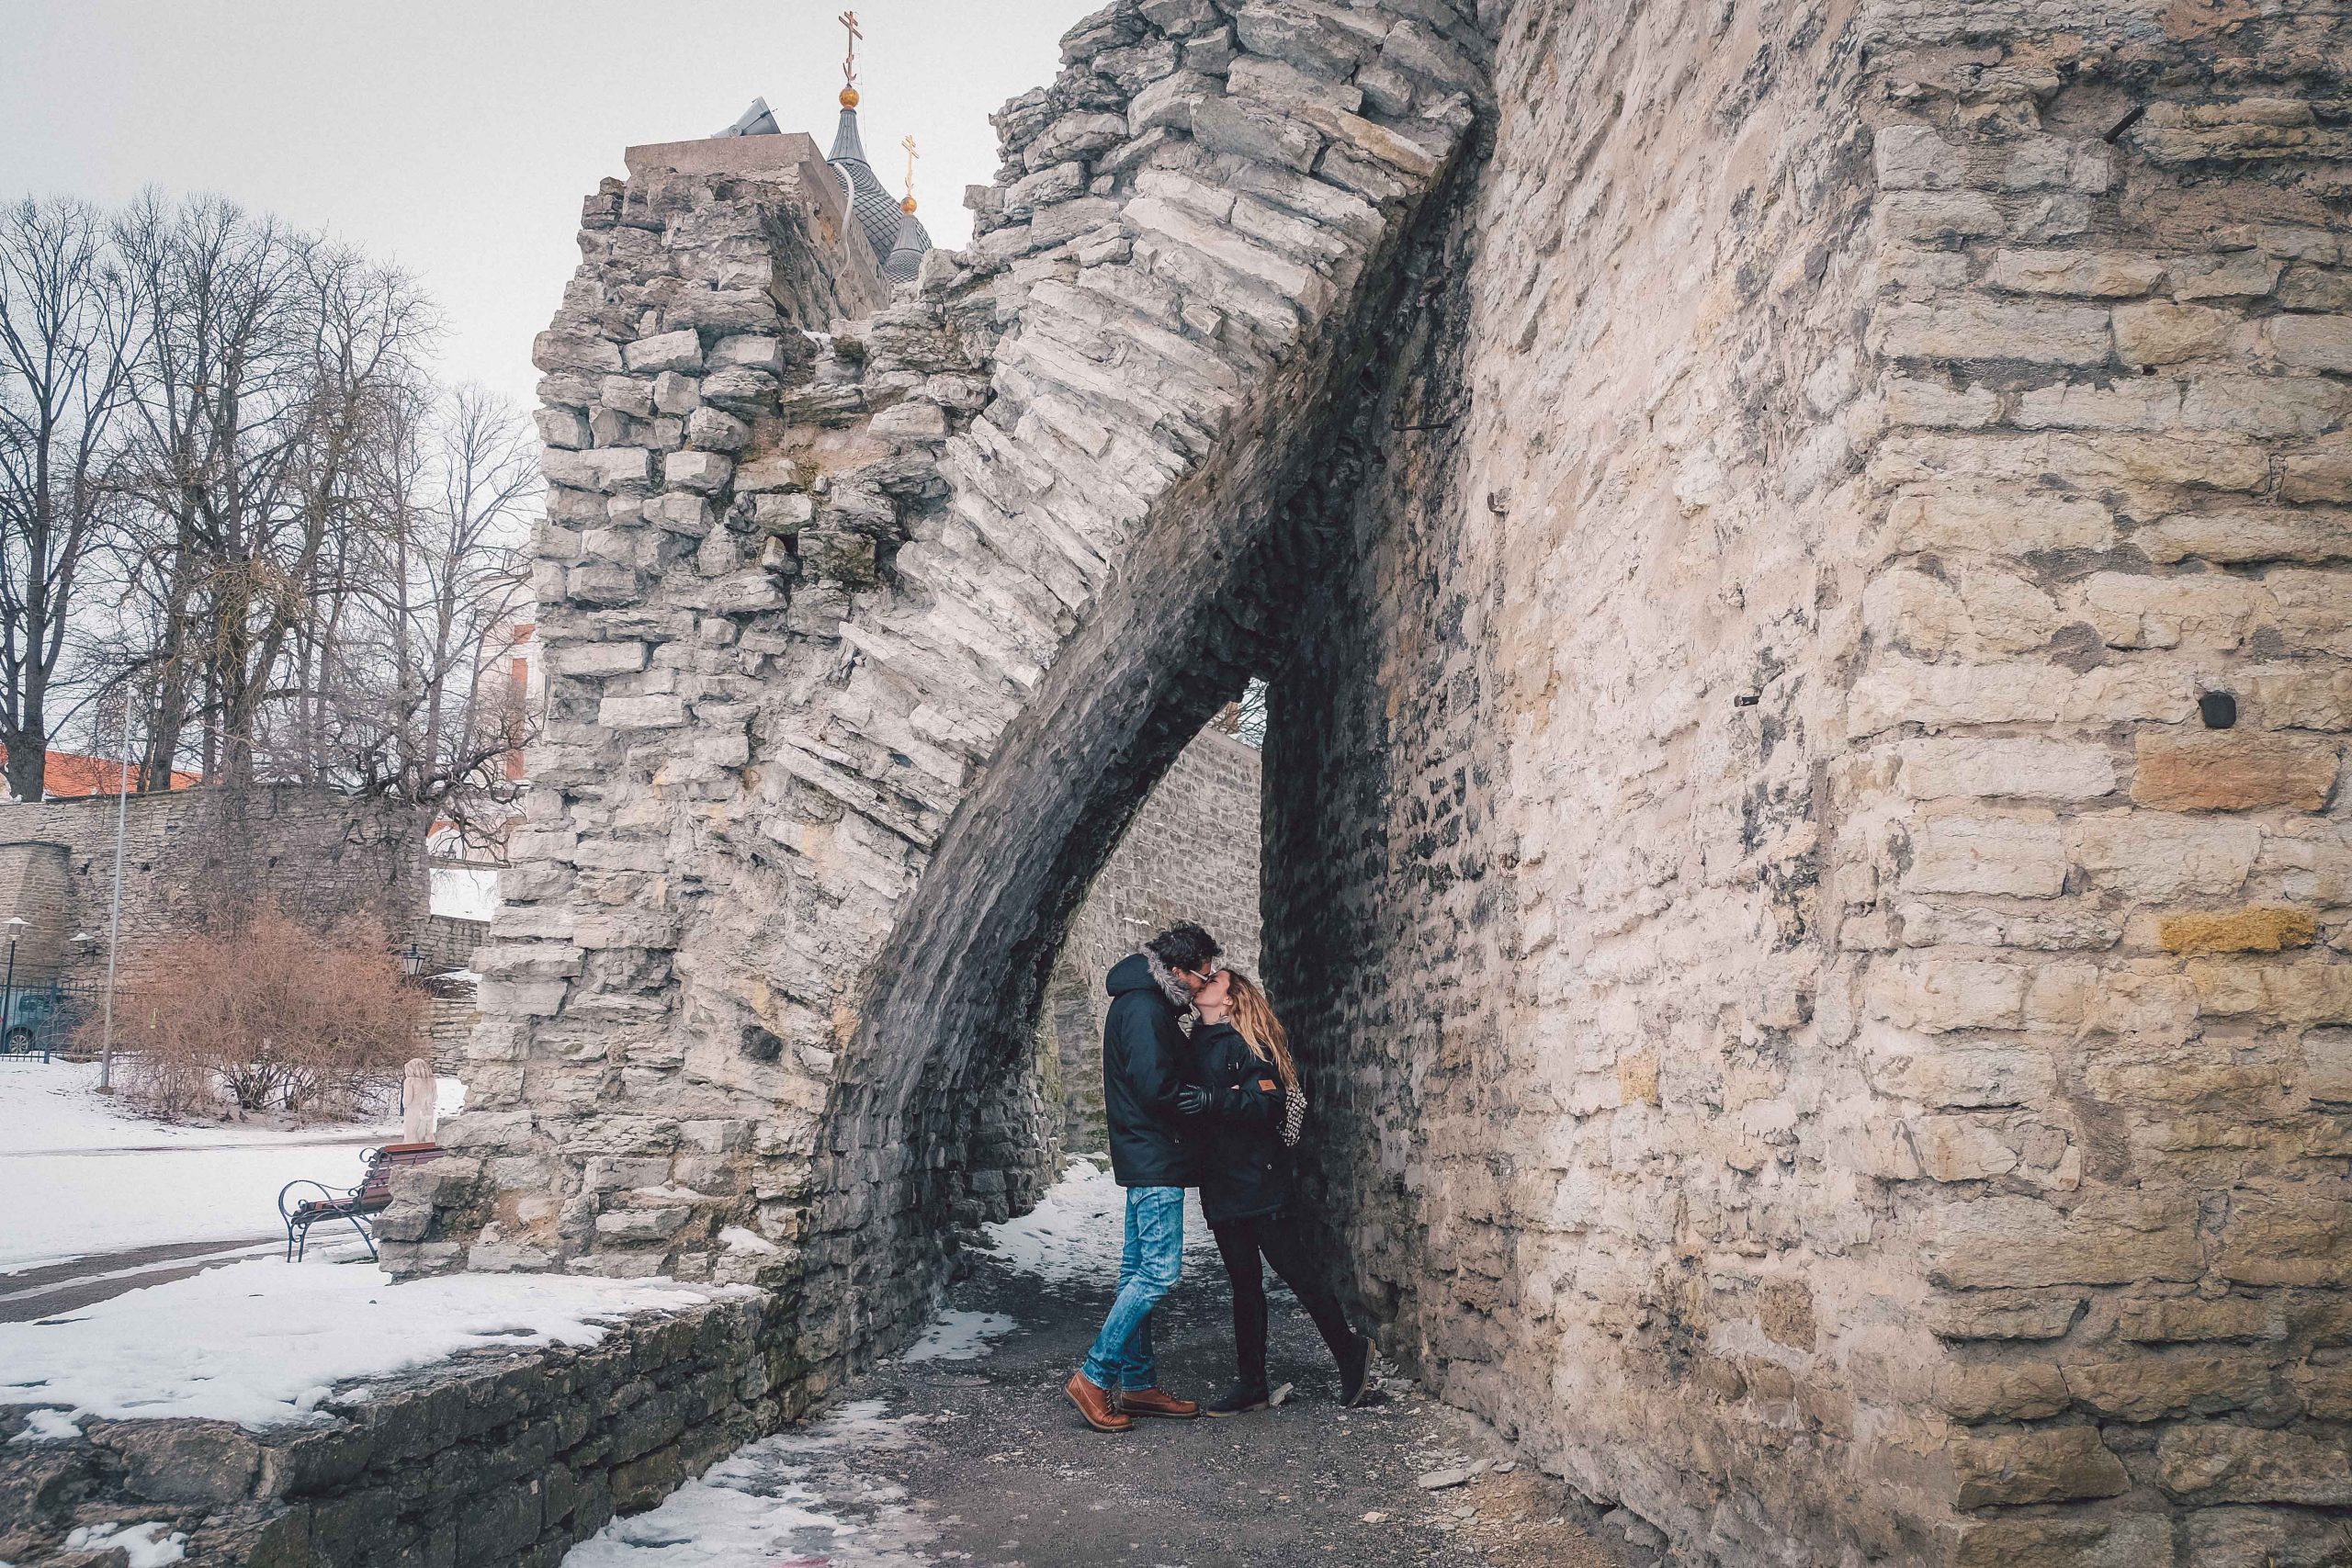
(1801, 554)
(497, 1457)
(188, 854)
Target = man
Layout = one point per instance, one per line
(1143, 1056)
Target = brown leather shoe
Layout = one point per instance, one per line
(1100, 1406)
(1157, 1401)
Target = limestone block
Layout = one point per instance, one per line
(1929, 218)
(665, 350)
(2097, 274)
(604, 469)
(2155, 859)
(1059, 182)
(2106, 1238)
(2252, 928)
(1936, 1074)
(2266, 1538)
(912, 420)
(1975, 328)
(703, 471)
(2313, 343)
(2246, 534)
(2231, 771)
(785, 512)
(642, 1224)
(2026, 766)
(2218, 1463)
(1168, 102)
(708, 430)
(568, 350)
(2191, 1319)
(2047, 1466)
(1212, 53)
(754, 351)
(1915, 157)
(594, 583)
(2000, 1391)
(1288, 89)
(676, 393)
(2289, 1236)
(629, 395)
(2137, 610)
(2065, 1541)
(1936, 994)
(2013, 524)
(2264, 405)
(2022, 855)
(1301, 33)
(2149, 1387)
(680, 513)
(2007, 1315)
(641, 713)
(1075, 135)
(561, 427)
(2161, 333)
(1247, 130)
(2327, 1065)
(2238, 275)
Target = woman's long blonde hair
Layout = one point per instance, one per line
(1253, 1015)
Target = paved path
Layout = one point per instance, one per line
(983, 1462)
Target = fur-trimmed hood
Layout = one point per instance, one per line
(1179, 995)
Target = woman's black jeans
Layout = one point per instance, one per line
(1241, 1243)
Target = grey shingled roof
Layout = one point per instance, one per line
(877, 214)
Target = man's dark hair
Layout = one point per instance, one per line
(1185, 947)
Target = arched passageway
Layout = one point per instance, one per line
(1804, 549)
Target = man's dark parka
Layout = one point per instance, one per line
(1144, 1054)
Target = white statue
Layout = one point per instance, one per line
(418, 1110)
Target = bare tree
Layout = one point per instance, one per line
(65, 328)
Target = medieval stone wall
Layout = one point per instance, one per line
(189, 854)
(1826, 1024)
(867, 638)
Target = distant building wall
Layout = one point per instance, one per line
(190, 855)
(1191, 854)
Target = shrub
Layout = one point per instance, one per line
(269, 1014)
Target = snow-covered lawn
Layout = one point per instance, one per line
(109, 1179)
(265, 1342)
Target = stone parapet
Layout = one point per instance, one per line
(497, 1458)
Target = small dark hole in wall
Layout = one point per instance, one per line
(2218, 710)
(1749, 701)
(760, 1045)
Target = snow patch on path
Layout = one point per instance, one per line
(795, 1500)
(1075, 1234)
(263, 1343)
(958, 1336)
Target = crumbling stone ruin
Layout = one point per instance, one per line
(1801, 554)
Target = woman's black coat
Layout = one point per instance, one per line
(1245, 1170)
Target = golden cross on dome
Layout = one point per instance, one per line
(912, 156)
(848, 19)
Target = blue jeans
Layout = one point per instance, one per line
(1147, 1268)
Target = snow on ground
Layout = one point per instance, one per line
(957, 1335)
(110, 1179)
(795, 1500)
(142, 1546)
(465, 892)
(1075, 1233)
(200, 1346)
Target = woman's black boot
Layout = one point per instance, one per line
(1239, 1400)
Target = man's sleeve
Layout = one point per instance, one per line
(1154, 1046)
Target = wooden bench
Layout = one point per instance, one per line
(354, 1204)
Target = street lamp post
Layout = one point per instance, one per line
(8, 986)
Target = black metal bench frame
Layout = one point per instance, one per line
(353, 1204)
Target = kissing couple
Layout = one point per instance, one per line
(1220, 1109)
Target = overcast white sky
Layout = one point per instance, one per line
(457, 138)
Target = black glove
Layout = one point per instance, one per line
(1191, 1101)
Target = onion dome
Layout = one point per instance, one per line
(881, 218)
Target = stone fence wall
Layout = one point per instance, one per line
(190, 853)
(496, 1458)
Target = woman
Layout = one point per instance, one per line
(1245, 1088)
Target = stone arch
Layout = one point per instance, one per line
(871, 618)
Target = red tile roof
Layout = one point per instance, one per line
(69, 775)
